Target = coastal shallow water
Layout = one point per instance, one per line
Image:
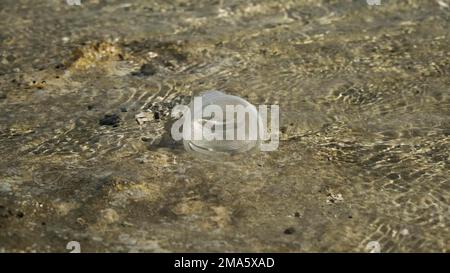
(86, 154)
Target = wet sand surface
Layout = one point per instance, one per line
(86, 94)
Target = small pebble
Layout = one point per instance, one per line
(110, 120)
(404, 232)
(289, 231)
(147, 69)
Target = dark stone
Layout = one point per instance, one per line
(10, 58)
(123, 109)
(289, 231)
(393, 176)
(180, 57)
(2, 96)
(4, 212)
(147, 70)
(110, 120)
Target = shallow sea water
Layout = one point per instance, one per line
(364, 96)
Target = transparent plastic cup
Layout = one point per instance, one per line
(250, 140)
